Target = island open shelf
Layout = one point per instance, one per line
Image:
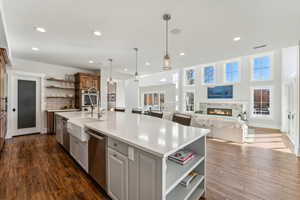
(175, 173)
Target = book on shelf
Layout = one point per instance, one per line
(182, 156)
(189, 178)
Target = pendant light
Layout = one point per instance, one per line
(136, 74)
(110, 80)
(167, 59)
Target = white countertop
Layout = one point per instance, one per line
(156, 136)
(76, 115)
(63, 110)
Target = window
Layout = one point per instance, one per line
(154, 100)
(261, 68)
(232, 71)
(189, 77)
(261, 102)
(208, 74)
(189, 101)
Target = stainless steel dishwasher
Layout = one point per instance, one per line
(97, 157)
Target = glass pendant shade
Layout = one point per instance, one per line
(136, 74)
(167, 63)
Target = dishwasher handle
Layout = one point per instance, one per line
(94, 135)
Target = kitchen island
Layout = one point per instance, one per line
(136, 156)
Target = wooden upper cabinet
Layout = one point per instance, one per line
(87, 81)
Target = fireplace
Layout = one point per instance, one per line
(219, 111)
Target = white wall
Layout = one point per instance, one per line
(132, 94)
(120, 93)
(48, 70)
(290, 76)
(242, 89)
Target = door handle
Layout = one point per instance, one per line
(14, 110)
(96, 136)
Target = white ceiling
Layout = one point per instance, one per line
(207, 30)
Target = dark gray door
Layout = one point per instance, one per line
(26, 104)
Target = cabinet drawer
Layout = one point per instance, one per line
(118, 146)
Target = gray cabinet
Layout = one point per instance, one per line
(59, 129)
(79, 151)
(117, 175)
(145, 176)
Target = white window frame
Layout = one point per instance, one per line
(184, 105)
(215, 73)
(153, 92)
(239, 70)
(270, 116)
(184, 76)
(271, 55)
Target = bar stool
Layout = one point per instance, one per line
(119, 109)
(156, 114)
(182, 119)
(136, 111)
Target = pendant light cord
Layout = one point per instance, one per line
(167, 36)
(110, 71)
(136, 60)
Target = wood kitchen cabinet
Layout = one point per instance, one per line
(84, 81)
(117, 177)
(59, 129)
(50, 123)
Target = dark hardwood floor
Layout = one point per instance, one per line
(36, 167)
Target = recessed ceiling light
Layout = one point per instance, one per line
(40, 29)
(147, 64)
(35, 49)
(182, 54)
(236, 39)
(163, 80)
(97, 33)
(91, 62)
(125, 69)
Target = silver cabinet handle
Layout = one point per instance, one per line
(96, 136)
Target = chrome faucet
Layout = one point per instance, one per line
(99, 114)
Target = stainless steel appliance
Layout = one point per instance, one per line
(88, 96)
(97, 157)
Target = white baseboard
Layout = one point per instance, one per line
(43, 130)
(263, 125)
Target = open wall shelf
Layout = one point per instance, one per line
(60, 80)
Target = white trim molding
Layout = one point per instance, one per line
(263, 117)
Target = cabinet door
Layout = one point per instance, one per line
(145, 177)
(84, 82)
(96, 82)
(59, 129)
(117, 175)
